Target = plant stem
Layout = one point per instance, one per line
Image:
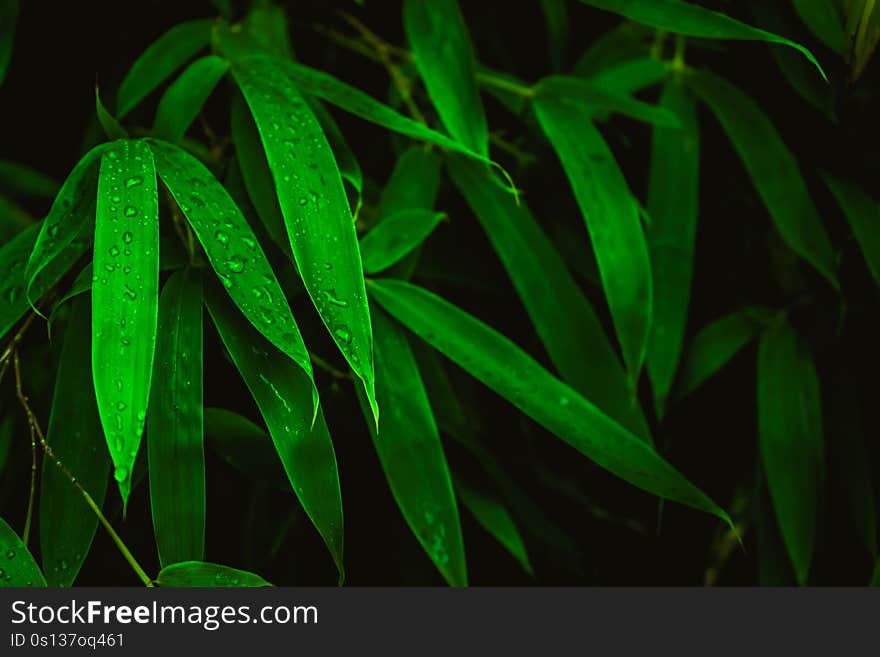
(30, 507)
(508, 85)
(327, 367)
(47, 449)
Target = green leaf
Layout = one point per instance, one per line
(792, 449)
(109, 124)
(160, 60)
(175, 438)
(612, 217)
(8, 16)
(349, 167)
(444, 57)
(69, 219)
(562, 316)
(267, 24)
(588, 99)
(631, 76)
(556, 17)
(504, 367)
(67, 524)
(673, 205)
(395, 237)
(183, 100)
(823, 19)
(772, 167)
(233, 250)
(409, 449)
(283, 393)
(625, 42)
(774, 567)
(875, 578)
(245, 446)
(19, 179)
(714, 346)
(495, 519)
(13, 219)
(125, 299)
(315, 208)
(863, 214)
(200, 574)
(695, 21)
(17, 565)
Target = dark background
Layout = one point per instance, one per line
(47, 110)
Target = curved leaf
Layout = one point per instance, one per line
(409, 448)
(444, 58)
(823, 19)
(245, 446)
(773, 169)
(504, 367)
(17, 566)
(692, 20)
(556, 17)
(20, 179)
(315, 208)
(863, 214)
(109, 123)
(8, 16)
(349, 167)
(175, 435)
(395, 237)
(125, 299)
(673, 205)
(283, 394)
(183, 100)
(563, 317)
(159, 61)
(612, 217)
(233, 250)
(792, 447)
(631, 76)
(206, 575)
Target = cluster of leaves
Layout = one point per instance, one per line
(148, 207)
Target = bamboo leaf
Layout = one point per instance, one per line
(245, 446)
(183, 100)
(109, 124)
(625, 42)
(18, 566)
(19, 179)
(395, 237)
(444, 57)
(67, 525)
(232, 249)
(8, 16)
(409, 449)
(673, 204)
(823, 19)
(714, 346)
(612, 217)
(863, 214)
(200, 574)
(556, 17)
(175, 440)
(790, 429)
(631, 76)
(283, 394)
(504, 367)
(349, 167)
(562, 316)
(495, 519)
(125, 299)
(315, 209)
(13, 219)
(160, 60)
(692, 20)
(773, 169)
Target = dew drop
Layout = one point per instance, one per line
(133, 181)
(235, 265)
(121, 406)
(222, 237)
(127, 237)
(120, 474)
(130, 211)
(343, 334)
(303, 200)
(114, 251)
(10, 554)
(130, 293)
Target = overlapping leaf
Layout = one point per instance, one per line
(824, 20)
(245, 446)
(395, 237)
(863, 214)
(16, 563)
(200, 574)
(182, 101)
(8, 16)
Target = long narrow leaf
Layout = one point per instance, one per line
(125, 299)
(182, 101)
(863, 214)
(19, 179)
(18, 566)
(175, 440)
(823, 19)
(504, 367)
(395, 237)
(612, 218)
(245, 446)
(201, 574)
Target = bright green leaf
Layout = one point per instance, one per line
(19, 567)
(111, 126)
(200, 574)
(395, 237)
(183, 100)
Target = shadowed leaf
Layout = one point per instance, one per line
(19, 179)
(863, 214)
(200, 574)
(183, 100)
(395, 237)
(19, 567)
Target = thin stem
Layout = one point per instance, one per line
(47, 449)
(30, 507)
(13, 343)
(327, 367)
(508, 85)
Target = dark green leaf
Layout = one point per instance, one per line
(774, 567)
(19, 179)
(612, 217)
(125, 299)
(563, 318)
(504, 367)
(267, 24)
(283, 394)
(823, 19)
(631, 76)
(673, 205)
(17, 566)
(444, 57)
(315, 209)
(8, 16)
(863, 214)
(409, 449)
(159, 61)
(556, 17)
(175, 437)
(625, 42)
(13, 219)
(67, 524)
(200, 574)
(395, 237)
(111, 126)
(495, 519)
(773, 169)
(693, 20)
(183, 100)
(792, 449)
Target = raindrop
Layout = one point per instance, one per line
(303, 200)
(343, 334)
(121, 406)
(114, 251)
(222, 237)
(120, 474)
(10, 554)
(130, 293)
(130, 211)
(249, 243)
(119, 384)
(127, 237)
(134, 181)
(334, 300)
(235, 265)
